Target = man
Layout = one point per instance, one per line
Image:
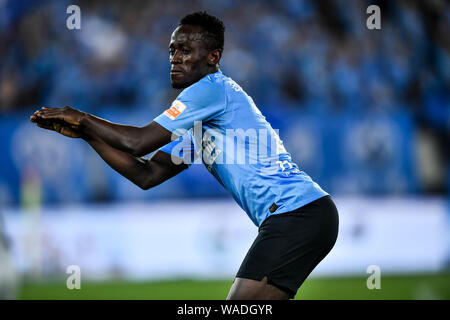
(297, 220)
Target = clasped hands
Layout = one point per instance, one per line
(66, 121)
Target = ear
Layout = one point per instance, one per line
(214, 57)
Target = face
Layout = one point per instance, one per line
(189, 58)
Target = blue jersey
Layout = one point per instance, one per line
(219, 125)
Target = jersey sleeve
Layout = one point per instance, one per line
(201, 101)
(182, 149)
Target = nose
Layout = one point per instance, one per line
(176, 58)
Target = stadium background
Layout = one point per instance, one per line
(364, 112)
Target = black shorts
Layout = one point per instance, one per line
(290, 245)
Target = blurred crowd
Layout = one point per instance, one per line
(299, 59)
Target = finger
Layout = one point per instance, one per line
(44, 110)
(51, 116)
(44, 122)
(51, 111)
(41, 125)
(47, 110)
(66, 131)
(40, 119)
(34, 118)
(37, 119)
(37, 113)
(56, 126)
(51, 125)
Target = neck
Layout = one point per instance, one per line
(213, 69)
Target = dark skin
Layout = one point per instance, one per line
(122, 146)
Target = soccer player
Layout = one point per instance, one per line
(210, 119)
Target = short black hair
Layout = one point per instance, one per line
(213, 28)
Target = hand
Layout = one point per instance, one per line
(52, 121)
(60, 128)
(71, 117)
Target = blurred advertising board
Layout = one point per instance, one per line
(209, 238)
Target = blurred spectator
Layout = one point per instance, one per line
(296, 59)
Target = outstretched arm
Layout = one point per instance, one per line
(137, 141)
(145, 173)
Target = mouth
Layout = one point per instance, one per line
(175, 72)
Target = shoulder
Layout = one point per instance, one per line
(210, 87)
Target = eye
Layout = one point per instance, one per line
(186, 51)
